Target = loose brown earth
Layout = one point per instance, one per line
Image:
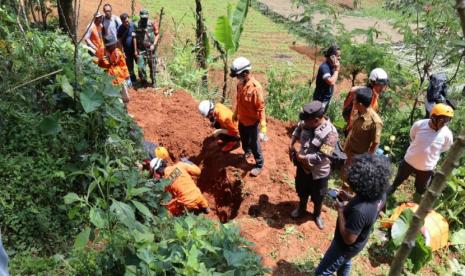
(260, 206)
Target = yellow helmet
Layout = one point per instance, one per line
(441, 109)
(162, 153)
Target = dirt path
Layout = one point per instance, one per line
(261, 206)
(285, 8)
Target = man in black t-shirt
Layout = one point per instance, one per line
(326, 78)
(368, 176)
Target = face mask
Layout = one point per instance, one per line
(143, 23)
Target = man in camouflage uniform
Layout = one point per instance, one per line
(146, 40)
(318, 139)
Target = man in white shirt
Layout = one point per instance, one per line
(429, 138)
(110, 22)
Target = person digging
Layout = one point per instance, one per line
(250, 112)
(221, 117)
(185, 193)
(318, 138)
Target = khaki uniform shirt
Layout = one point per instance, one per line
(366, 130)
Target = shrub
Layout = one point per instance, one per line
(285, 98)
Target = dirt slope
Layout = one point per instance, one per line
(261, 206)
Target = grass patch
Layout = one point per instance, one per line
(376, 11)
(264, 42)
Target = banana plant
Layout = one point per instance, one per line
(227, 34)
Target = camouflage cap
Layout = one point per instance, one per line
(144, 13)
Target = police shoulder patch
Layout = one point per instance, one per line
(327, 149)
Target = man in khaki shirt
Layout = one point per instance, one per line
(365, 133)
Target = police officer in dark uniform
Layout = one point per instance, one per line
(318, 138)
(146, 39)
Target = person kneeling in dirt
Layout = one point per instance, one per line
(221, 118)
(250, 112)
(318, 139)
(153, 151)
(113, 60)
(368, 176)
(185, 193)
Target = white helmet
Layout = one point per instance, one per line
(156, 164)
(239, 65)
(378, 75)
(205, 107)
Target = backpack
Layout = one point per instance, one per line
(338, 157)
(437, 88)
(347, 106)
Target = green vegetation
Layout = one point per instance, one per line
(259, 33)
(73, 200)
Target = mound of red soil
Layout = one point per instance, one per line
(261, 205)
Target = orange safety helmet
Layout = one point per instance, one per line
(441, 109)
(162, 153)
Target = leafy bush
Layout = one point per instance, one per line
(285, 98)
(68, 137)
(185, 73)
(126, 237)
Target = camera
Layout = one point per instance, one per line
(334, 194)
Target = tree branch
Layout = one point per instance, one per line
(33, 80)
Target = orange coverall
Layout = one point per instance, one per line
(250, 106)
(224, 116)
(185, 192)
(115, 63)
(96, 36)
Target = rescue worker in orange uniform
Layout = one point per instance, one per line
(153, 151)
(250, 112)
(221, 118)
(378, 82)
(93, 36)
(184, 191)
(113, 60)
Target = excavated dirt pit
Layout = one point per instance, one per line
(173, 121)
(260, 206)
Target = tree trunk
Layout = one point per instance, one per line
(461, 12)
(201, 37)
(65, 14)
(133, 8)
(31, 7)
(225, 78)
(438, 184)
(43, 12)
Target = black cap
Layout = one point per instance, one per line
(311, 110)
(363, 95)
